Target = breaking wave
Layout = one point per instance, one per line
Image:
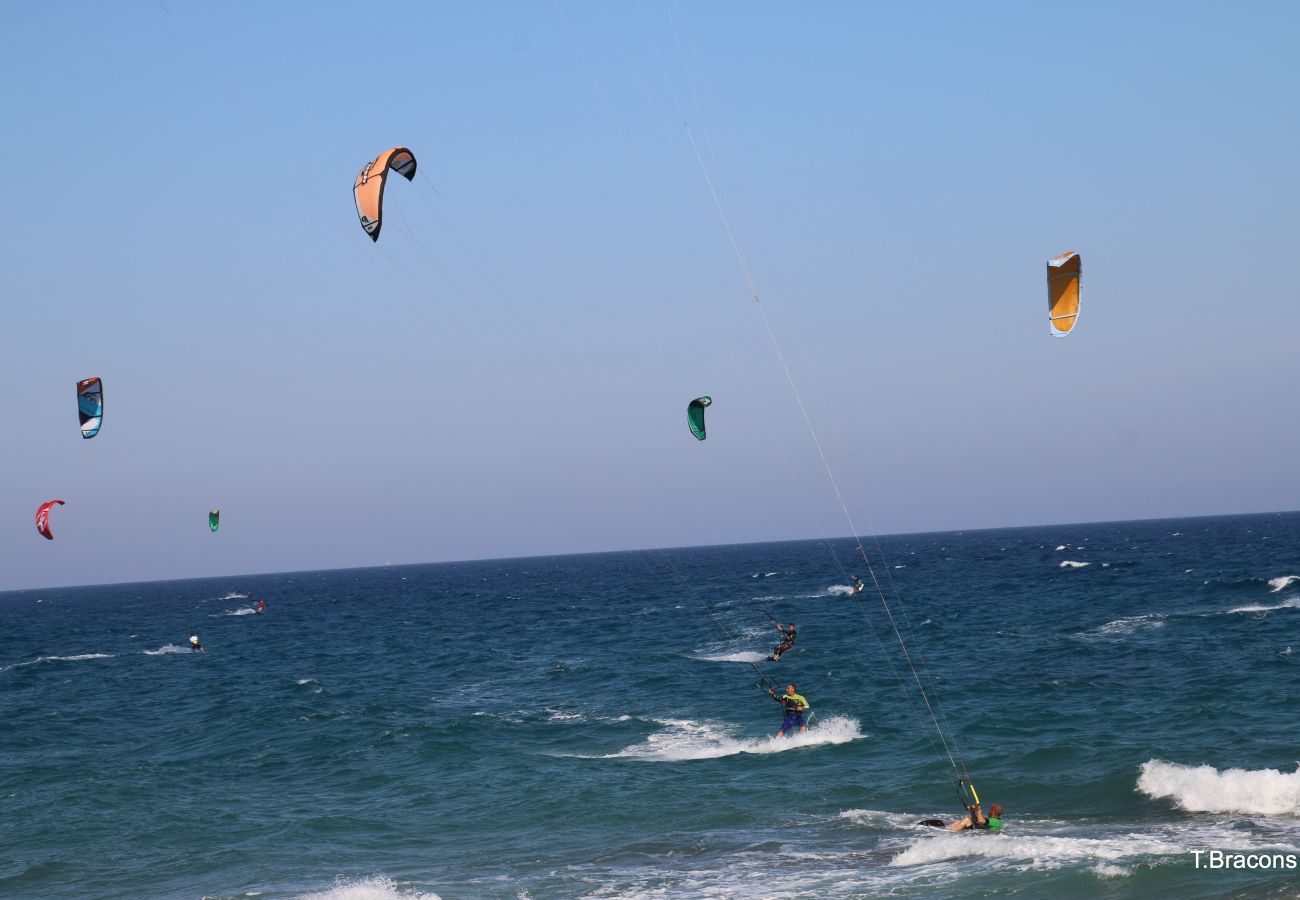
(1261, 792)
(380, 887)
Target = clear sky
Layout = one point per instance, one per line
(506, 372)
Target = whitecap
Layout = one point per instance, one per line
(1072, 564)
(1293, 603)
(1260, 792)
(1280, 584)
(380, 887)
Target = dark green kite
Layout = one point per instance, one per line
(695, 416)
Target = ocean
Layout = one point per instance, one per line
(591, 726)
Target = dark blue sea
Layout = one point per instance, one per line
(590, 726)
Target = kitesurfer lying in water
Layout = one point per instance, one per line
(978, 821)
(195, 646)
(795, 707)
(787, 641)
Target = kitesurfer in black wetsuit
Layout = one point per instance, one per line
(787, 641)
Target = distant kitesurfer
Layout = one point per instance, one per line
(857, 585)
(980, 822)
(261, 606)
(787, 641)
(195, 646)
(795, 707)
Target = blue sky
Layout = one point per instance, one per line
(506, 372)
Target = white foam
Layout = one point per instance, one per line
(242, 611)
(167, 648)
(1293, 603)
(306, 681)
(839, 590)
(380, 887)
(234, 595)
(1279, 584)
(684, 739)
(1262, 792)
(1129, 625)
(41, 659)
(746, 657)
(1060, 547)
(1106, 870)
(1073, 564)
(1040, 851)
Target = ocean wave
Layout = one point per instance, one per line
(1293, 603)
(167, 648)
(748, 656)
(234, 595)
(1073, 564)
(1261, 792)
(380, 887)
(684, 739)
(306, 681)
(764, 574)
(1060, 547)
(1280, 584)
(242, 611)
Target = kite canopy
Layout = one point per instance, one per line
(214, 519)
(695, 416)
(90, 406)
(43, 518)
(368, 192)
(1064, 274)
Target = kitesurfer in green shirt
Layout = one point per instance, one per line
(795, 707)
(980, 822)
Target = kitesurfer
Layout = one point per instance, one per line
(261, 606)
(787, 641)
(195, 646)
(980, 822)
(857, 585)
(795, 707)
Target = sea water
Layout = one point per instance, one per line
(591, 726)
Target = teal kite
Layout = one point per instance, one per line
(695, 416)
